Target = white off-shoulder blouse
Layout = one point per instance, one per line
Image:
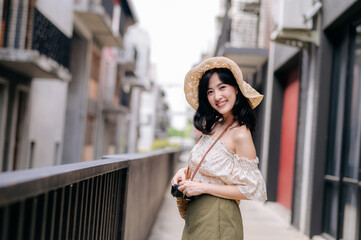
(223, 166)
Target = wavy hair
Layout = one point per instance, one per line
(206, 116)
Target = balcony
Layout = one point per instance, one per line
(126, 58)
(46, 54)
(97, 17)
(249, 59)
(117, 197)
(33, 64)
(240, 35)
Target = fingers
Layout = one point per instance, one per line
(173, 181)
(176, 179)
(180, 176)
(181, 188)
(183, 182)
(188, 188)
(184, 188)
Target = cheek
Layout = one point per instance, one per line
(209, 100)
(235, 94)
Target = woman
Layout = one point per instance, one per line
(224, 108)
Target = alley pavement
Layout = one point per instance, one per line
(261, 221)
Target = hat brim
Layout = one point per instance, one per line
(194, 75)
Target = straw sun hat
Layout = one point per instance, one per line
(194, 75)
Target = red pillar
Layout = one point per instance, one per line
(288, 138)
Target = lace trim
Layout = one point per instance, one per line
(254, 161)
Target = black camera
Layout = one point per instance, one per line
(178, 194)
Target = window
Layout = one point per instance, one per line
(17, 158)
(343, 175)
(3, 114)
(88, 151)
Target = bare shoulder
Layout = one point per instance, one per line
(242, 139)
(241, 134)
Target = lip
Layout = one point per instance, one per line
(221, 104)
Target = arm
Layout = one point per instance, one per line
(190, 188)
(244, 145)
(249, 179)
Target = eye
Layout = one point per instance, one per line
(222, 87)
(209, 92)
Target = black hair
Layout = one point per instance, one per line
(206, 116)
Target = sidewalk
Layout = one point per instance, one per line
(261, 221)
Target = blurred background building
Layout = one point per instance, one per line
(311, 136)
(304, 56)
(71, 80)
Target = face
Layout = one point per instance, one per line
(221, 96)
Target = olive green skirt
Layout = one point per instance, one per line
(212, 218)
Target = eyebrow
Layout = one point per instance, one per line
(217, 85)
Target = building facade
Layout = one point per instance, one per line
(309, 132)
(94, 119)
(34, 70)
(315, 79)
(60, 80)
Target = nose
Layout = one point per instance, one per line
(217, 95)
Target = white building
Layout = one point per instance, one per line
(34, 75)
(147, 118)
(54, 71)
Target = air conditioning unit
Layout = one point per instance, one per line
(294, 22)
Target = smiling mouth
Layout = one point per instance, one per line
(221, 104)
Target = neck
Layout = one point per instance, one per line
(227, 119)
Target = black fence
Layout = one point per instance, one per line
(86, 200)
(50, 41)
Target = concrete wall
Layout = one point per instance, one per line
(47, 117)
(137, 38)
(61, 15)
(148, 177)
(265, 25)
(313, 133)
(332, 10)
(133, 127)
(76, 110)
(137, 47)
(147, 118)
(284, 53)
(110, 75)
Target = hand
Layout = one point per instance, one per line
(179, 176)
(190, 188)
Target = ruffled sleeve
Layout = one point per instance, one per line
(248, 178)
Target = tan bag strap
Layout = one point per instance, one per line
(204, 156)
(187, 177)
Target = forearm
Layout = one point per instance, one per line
(224, 191)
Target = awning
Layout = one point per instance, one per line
(98, 22)
(296, 38)
(133, 81)
(248, 59)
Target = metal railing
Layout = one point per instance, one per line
(114, 198)
(49, 40)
